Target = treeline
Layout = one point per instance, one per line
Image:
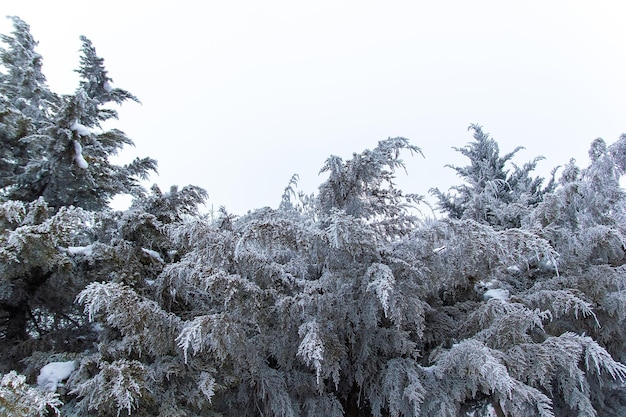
(340, 303)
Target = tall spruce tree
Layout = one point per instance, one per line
(68, 158)
(57, 182)
(26, 102)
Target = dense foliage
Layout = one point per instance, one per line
(341, 303)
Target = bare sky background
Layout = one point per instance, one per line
(239, 95)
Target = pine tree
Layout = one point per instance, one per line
(343, 303)
(57, 182)
(76, 169)
(319, 308)
(491, 193)
(25, 102)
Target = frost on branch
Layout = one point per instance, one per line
(116, 387)
(560, 303)
(12, 212)
(220, 333)
(382, 283)
(151, 328)
(311, 349)
(402, 380)
(207, 385)
(364, 188)
(474, 370)
(17, 398)
(475, 366)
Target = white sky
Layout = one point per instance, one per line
(239, 95)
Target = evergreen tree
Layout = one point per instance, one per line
(492, 194)
(315, 309)
(25, 102)
(342, 303)
(75, 167)
(55, 167)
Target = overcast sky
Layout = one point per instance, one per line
(239, 95)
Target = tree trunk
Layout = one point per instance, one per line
(352, 407)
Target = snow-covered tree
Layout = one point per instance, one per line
(57, 180)
(272, 298)
(342, 303)
(26, 102)
(69, 158)
(491, 192)
(320, 308)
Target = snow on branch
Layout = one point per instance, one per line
(382, 283)
(153, 254)
(80, 129)
(17, 398)
(80, 250)
(52, 375)
(311, 349)
(496, 294)
(78, 155)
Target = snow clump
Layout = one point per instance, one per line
(78, 155)
(80, 129)
(497, 294)
(52, 374)
(80, 250)
(153, 254)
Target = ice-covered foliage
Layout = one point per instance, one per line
(55, 145)
(37, 284)
(26, 102)
(18, 399)
(54, 167)
(492, 192)
(57, 234)
(364, 188)
(319, 307)
(24, 84)
(339, 303)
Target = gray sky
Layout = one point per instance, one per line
(239, 95)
